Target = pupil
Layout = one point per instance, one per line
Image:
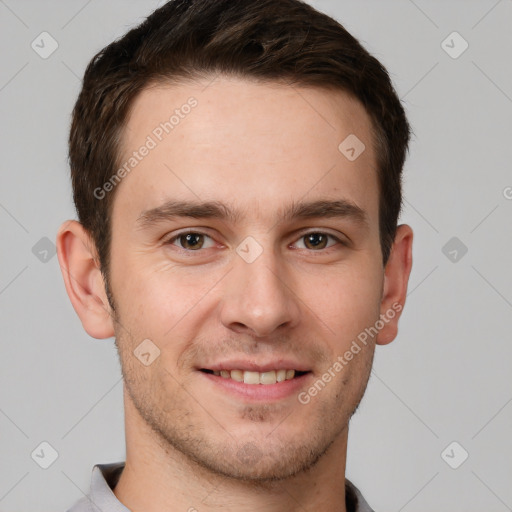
(192, 239)
(316, 239)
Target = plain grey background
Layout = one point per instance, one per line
(445, 379)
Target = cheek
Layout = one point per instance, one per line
(346, 300)
(162, 303)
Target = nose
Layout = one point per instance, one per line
(259, 297)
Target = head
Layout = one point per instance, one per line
(236, 169)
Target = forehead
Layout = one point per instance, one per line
(255, 145)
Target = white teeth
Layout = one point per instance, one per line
(281, 375)
(249, 377)
(268, 377)
(237, 375)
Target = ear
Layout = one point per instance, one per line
(396, 277)
(83, 279)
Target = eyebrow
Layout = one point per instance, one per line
(172, 209)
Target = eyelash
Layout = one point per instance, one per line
(192, 232)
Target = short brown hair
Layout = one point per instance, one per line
(268, 40)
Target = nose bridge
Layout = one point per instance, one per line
(258, 297)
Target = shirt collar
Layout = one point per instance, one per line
(105, 478)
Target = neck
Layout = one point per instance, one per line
(158, 477)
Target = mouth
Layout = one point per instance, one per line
(253, 377)
(250, 382)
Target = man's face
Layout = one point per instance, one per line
(255, 290)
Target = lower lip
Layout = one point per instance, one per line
(263, 392)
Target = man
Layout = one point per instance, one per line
(236, 168)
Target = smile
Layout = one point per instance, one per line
(251, 377)
(250, 385)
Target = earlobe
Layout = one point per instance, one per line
(83, 279)
(396, 278)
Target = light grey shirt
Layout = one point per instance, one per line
(104, 478)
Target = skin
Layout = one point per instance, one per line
(256, 148)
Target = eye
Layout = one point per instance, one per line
(191, 241)
(318, 240)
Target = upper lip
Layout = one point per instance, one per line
(253, 366)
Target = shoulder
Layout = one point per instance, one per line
(82, 505)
